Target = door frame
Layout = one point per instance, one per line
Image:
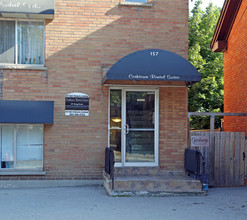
(124, 89)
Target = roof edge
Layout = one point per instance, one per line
(223, 28)
(219, 46)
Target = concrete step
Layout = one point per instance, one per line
(160, 184)
(136, 170)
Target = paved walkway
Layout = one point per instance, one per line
(92, 202)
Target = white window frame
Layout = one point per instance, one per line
(16, 44)
(15, 150)
(135, 1)
(123, 140)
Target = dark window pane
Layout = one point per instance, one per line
(115, 108)
(7, 42)
(115, 144)
(140, 109)
(140, 146)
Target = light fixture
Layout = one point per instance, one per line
(116, 119)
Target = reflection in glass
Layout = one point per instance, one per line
(139, 123)
(115, 143)
(115, 108)
(21, 146)
(29, 146)
(7, 41)
(30, 42)
(115, 122)
(140, 109)
(7, 146)
(140, 146)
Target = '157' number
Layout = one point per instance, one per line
(154, 54)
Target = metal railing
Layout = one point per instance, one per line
(109, 163)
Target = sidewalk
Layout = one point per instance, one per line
(92, 202)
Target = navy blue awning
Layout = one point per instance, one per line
(31, 112)
(153, 64)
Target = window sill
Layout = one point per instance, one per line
(136, 4)
(15, 172)
(22, 67)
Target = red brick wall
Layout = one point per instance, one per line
(84, 37)
(235, 75)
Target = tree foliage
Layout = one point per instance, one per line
(207, 95)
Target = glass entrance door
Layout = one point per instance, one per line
(133, 127)
(139, 126)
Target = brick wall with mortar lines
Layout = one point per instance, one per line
(173, 128)
(84, 37)
(235, 73)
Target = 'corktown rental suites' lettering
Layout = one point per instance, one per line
(27, 9)
(18, 5)
(153, 76)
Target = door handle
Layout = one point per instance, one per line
(126, 128)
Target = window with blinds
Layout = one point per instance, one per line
(22, 42)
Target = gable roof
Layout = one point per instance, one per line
(223, 29)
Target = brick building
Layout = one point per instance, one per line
(80, 75)
(230, 37)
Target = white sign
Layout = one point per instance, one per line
(76, 113)
(200, 141)
(77, 104)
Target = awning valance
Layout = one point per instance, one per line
(153, 64)
(27, 9)
(26, 112)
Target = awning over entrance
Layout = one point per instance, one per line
(153, 64)
(27, 9)
(32, 112)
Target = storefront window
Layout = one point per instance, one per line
(29, 42)
(21, 146)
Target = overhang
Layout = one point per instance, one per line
(27, 9)
(26, 112)
(223, 29)
(152, 65)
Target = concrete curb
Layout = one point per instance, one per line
(14, 184)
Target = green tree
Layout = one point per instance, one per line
(207, 95)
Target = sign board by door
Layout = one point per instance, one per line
(200, 141)
(77, 104)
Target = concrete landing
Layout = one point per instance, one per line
(157, 184)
